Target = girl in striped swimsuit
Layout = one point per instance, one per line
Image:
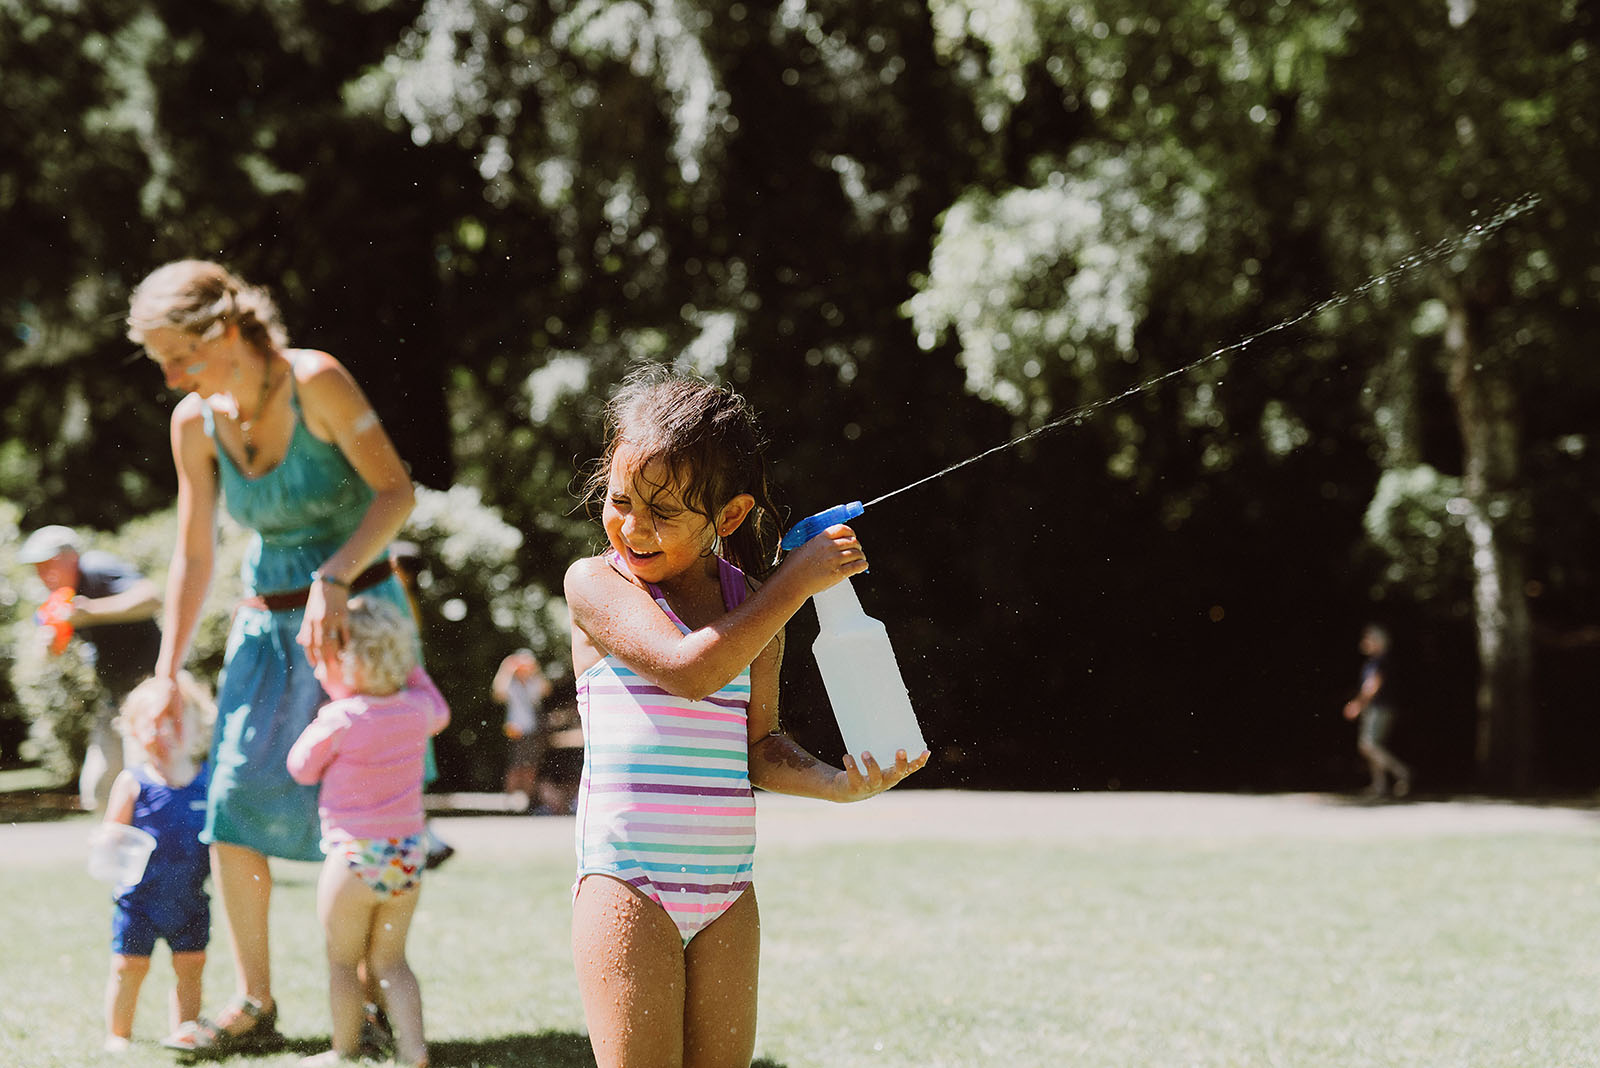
(677, 650)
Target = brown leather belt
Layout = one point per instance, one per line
(283, 602)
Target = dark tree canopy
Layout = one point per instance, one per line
(910, 232)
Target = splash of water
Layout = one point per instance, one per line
(1469, 238)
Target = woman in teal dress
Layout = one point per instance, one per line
(288, 442)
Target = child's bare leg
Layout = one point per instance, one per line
(345, 906)
(122, 992)
(186, 994)
(719, 1015)
(402, 996)
(630, 965)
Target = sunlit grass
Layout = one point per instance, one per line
(1477, 951)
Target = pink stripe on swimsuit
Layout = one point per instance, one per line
(665, 803)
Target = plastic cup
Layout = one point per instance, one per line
(118, 853)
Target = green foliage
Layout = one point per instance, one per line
(1059, 272)
(147, 544)
(1416, 523)
(477, 604)
(59, 695)
(13, 608)
(906, 230)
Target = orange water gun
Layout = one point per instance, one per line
(56, 613)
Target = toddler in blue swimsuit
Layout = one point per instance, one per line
(165, 796)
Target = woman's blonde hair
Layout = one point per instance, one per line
(382, 646)
(142, 709)
(201, 298)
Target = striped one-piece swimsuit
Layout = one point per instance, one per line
(665, 803)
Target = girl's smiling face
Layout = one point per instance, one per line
(648, 523)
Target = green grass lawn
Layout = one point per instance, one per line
(1467, 950)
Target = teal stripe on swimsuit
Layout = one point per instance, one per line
(603, 768)
(623, 671)
(698, 869)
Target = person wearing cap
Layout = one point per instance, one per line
(113, 609)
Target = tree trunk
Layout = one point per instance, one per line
(1486, 413)
(1395, 407)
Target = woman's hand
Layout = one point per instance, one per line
(855, 784)
(171, 708)
(325, 629)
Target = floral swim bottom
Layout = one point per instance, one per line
(391, 866)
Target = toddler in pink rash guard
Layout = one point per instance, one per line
(366, 747)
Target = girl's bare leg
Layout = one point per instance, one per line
(122, 993)
(386, 957)
(719, 1015)
(630, 964)
(244, 882)
(345, 905)
(186, 994)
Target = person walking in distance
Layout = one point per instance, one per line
(1374, 712)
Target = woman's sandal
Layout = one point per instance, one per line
(205, 1039)
(377, 1037)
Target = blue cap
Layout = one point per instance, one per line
(811, 526)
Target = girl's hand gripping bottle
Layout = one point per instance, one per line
(857, 662)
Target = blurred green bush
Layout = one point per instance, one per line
(474, 601)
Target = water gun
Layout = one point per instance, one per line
(56, 613)
(811, 526)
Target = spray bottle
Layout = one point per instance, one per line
(857, 662)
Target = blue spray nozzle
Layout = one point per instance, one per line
(811, 526)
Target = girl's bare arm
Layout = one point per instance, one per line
(619, 618)
(780, 764)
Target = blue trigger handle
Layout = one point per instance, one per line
(811, 526)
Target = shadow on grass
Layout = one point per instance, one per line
(38, 806)
(548, 1049)
(1572, 802)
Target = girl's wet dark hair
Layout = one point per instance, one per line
(707, 437)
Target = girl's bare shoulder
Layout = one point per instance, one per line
(586, 571)
(593, 579)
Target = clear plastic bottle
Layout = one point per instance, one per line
(863, 679)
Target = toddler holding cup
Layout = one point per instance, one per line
(160, 802)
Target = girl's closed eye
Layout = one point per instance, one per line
(665, 513)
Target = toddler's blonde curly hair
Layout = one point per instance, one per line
(382, 648)
(139, 719)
